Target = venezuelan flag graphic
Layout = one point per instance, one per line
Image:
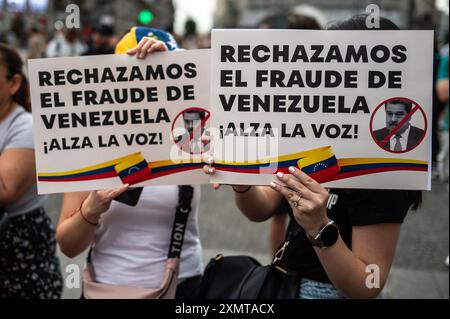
(95, 172)
(133, 169)
(320, 164)
(351, 167)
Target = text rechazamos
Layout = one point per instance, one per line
(313, 54)
(118, 74)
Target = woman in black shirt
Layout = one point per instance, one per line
(347, 238)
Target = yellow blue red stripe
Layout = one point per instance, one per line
(322, 168)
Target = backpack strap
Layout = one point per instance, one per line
(279, 256)
(184, 207)
(294, 230)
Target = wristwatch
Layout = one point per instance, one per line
(327, 235)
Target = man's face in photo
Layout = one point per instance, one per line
(395, 113)
(191, 120)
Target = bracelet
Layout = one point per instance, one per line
(84, 217)
(241, 192)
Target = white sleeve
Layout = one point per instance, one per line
(51, 49)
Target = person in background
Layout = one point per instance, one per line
(437, 107)
(102, 40)
(190, 38)
(442, 89)
(444, 48)
(18, 30)
(3, 38)
(29, 267)
(37, 45)
(65, 43)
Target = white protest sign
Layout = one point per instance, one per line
(103, 121)
(350, 108)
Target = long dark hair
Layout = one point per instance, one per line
(11, 59)
(358, 22)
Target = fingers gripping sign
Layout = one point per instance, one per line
(208, 158)
(99, 201)
(307, 198)
(146, 46)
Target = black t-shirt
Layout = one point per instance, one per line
(347, 208)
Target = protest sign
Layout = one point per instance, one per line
(350, 108)
(103, 121)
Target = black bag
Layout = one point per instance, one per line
(243, 277)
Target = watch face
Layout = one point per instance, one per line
(330, 235)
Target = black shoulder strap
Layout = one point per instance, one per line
(294, 230)
(184, 207)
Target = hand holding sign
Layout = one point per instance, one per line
(307, 198)
(146, 46)
(98, 202)
(208, 158)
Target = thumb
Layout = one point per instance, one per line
(116, 192)
(131, 51)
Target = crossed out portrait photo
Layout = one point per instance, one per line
(399, 135)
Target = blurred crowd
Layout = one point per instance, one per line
(101, 38)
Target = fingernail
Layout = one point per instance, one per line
(291, 169)
(279, 174)
(273, 184)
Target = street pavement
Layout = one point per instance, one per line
(418, 271)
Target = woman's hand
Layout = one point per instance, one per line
(307, 198)
(208, 158)
(99, 202)
(146, 46)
